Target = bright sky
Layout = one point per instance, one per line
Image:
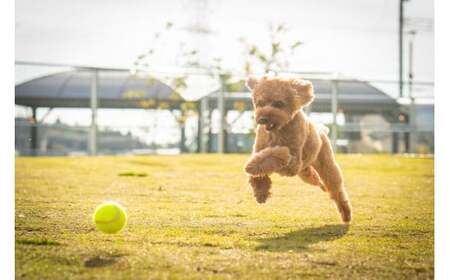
(355, 37)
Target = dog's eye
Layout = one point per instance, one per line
(278, 104)
(259, 104)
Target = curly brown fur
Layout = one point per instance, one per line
(267, 161)
(261, 187)
(309, 175)
(288, 143)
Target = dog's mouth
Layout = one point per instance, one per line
(269, 126)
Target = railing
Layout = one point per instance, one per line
(64, 140)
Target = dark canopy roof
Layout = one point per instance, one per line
(353, 96)
(116, 89)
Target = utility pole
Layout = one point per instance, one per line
(412, 105)
(412, 33)
(400, 48)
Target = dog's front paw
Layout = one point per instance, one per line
(251, 168)
(267, 161)
(261, 197)
(261, 187)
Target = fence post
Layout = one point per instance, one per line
(412, 126)
(221, 107)
(34, 132)
(199, 127)
(182, 137)
(334, 106)
(204, 124)
(93, 129)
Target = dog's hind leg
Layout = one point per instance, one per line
(309, 175)
(331, 175)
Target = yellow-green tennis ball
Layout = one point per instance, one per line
(110, 217)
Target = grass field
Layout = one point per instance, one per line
(194, 217)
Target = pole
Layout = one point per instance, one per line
(183, 138)
(400, 49)
(34, 132)
(221, 107)
(209, 141)
(412, 108)
(199, 127)
(94, 105)
(334, 106)
(204, 124)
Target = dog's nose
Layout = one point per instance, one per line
(263, 120)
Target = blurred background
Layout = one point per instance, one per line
(167, 77)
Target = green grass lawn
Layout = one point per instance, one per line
(194, 217)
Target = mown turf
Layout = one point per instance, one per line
(194, 217)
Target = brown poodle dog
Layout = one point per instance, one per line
(288, 143)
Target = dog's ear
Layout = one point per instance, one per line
(251, 83)
(304, 92)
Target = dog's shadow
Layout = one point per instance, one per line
(300, 240)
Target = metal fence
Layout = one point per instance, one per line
(59, 139)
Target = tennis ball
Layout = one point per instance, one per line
(110, 217)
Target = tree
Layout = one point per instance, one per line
(273, 58)
(177, 81)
